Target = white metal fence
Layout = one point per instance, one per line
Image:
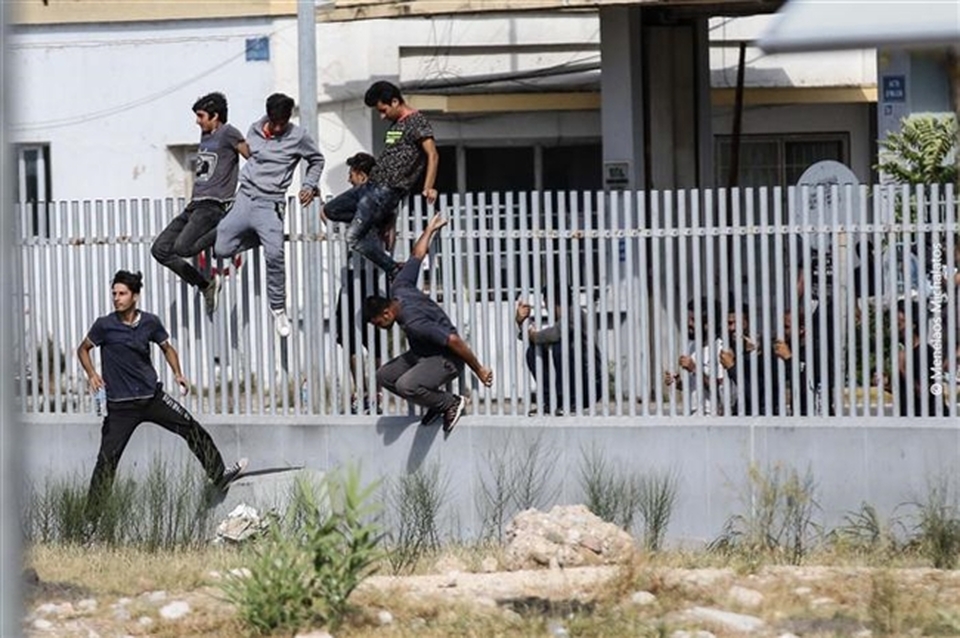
(823, 272)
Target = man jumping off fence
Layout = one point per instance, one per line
(134, 394)
(437, 353)
(276, 147)
(409, 152)
(215, 182)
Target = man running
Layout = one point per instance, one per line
(437, 353)
(276, 147)
(215, 182)
(133, 392)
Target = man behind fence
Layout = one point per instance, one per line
(437, 353)
(134, 394)
(276, 147)
(215, 181)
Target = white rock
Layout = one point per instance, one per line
(485, 601)
(145, 621)
(680, 633)
(240, 572)
(643, 598)
(489, 565)
(92, 634)
(214, 575)
(451, 579)
(175, 610)
(384, 617)
(155, 596)
(65, 609)
(821, 602)
(727, 619)
(314, 634)
(124, 601)
(42, 625)
(47, 608)
(802, 591)
(863, 633)
(87, 605)
(703, 634)
(745, 597)
(122, 614)
(788, 636)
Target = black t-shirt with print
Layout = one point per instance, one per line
(424, 322)
(402, 160)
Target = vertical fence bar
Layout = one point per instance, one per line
(498, 352)
(632, 318)
(527, 243)
(615, 233)
(646, 351)
(508, 344)
(661, 300)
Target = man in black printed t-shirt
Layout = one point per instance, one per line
(409, 151)
(437, 353)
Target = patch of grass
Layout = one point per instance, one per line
(517, 476)
(938, 527)
(610, 492)
(884, 609)
(166, 509)
(779, 522)
(657, 499)
(414, 505)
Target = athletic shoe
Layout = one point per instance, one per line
(281, 323)
(452, 415)
(211, 295)
(431, 415)
(231, 473)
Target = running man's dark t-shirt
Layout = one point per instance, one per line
(125, 354)
(425, 323)
(216, 167)
(402, 159)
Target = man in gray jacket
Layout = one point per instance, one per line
(276, 147)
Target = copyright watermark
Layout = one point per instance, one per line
(936, 320)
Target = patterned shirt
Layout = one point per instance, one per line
(402, 160)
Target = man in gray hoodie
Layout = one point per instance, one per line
(276, 147)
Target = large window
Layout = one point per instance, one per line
(33, 184)
(777, 160)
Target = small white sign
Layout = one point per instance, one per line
(828, 173)
(616, 175)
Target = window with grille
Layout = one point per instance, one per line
(34, 186)
(776, 160)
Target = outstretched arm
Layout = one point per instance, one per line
(460, 348)
(422, 247)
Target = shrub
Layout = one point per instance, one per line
(311, 559)
(415, 501)
(938, 528)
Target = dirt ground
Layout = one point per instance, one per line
(639, 598)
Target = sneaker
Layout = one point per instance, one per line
(431, 415)
(211, 295)
(281, 323)
(452, 415)
(231, 474)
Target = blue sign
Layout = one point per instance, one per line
(894, 88)
(258, 49)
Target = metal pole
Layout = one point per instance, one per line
(307, 79)
(11, 567)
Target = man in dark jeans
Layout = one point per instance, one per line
(133, 392)
(409, 152)
(215, 182)
(437, 353)
(547, 351)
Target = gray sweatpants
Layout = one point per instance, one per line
(421, 379)
(252, 222)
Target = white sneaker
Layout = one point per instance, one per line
(211, 295)
(281, 323)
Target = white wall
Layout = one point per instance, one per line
(110, 99)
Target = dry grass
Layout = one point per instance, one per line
(827, 600)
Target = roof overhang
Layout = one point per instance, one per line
(345, 10)
(815, 25)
